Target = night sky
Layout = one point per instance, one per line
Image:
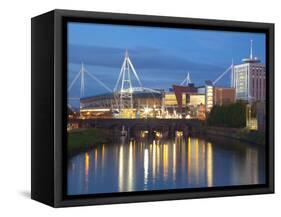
(161, 56)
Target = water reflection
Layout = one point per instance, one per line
(121, 168)
(209, 165)
(86, 171)
(165, 164)
(145, 167)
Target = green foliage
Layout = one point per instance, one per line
(83, 139)
(231, 115)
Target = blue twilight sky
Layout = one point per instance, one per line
(161, 56)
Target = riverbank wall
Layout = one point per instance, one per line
(242, 134)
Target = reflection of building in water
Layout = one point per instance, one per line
(163, 162)
(174, 161)
(130, 168)
(87, 163)
(199, 163)
(145, 167)
(152, 165)
(210, 164)
(121, 184)
(252, 165)
(246, 170)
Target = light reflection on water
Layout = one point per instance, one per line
(165, 164)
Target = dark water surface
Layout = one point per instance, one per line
(165, 164)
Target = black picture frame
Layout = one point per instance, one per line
(49, 95)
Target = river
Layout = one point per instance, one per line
(165, 164)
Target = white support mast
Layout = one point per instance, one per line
(124, 86)
(187, 80)
(98, 81)
(232, 74)
(223, 74)
(81, 75)
(82, 81)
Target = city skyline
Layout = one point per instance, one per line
(164, 108)
(162, 58)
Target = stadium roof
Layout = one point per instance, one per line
(137, 91)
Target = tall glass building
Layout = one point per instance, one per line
(248, 79)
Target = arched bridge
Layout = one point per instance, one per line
(169, 126)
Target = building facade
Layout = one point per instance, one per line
(145, 104)
(248, 78)
(224, 95)
(181, 93)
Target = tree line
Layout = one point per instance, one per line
(231, 115)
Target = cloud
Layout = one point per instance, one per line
(142, 58)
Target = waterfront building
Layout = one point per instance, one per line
(209, 95)
(224, 95)
(195, 99)
(248, 78)
(170, 100)
(177, 100)
(201, 112)
(216, 95)
(196, 105)
(146, 103)
(182, 93)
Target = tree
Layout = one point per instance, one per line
(231, 115)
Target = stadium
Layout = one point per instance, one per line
(139, 103)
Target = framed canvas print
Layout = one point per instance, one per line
(131, 108)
